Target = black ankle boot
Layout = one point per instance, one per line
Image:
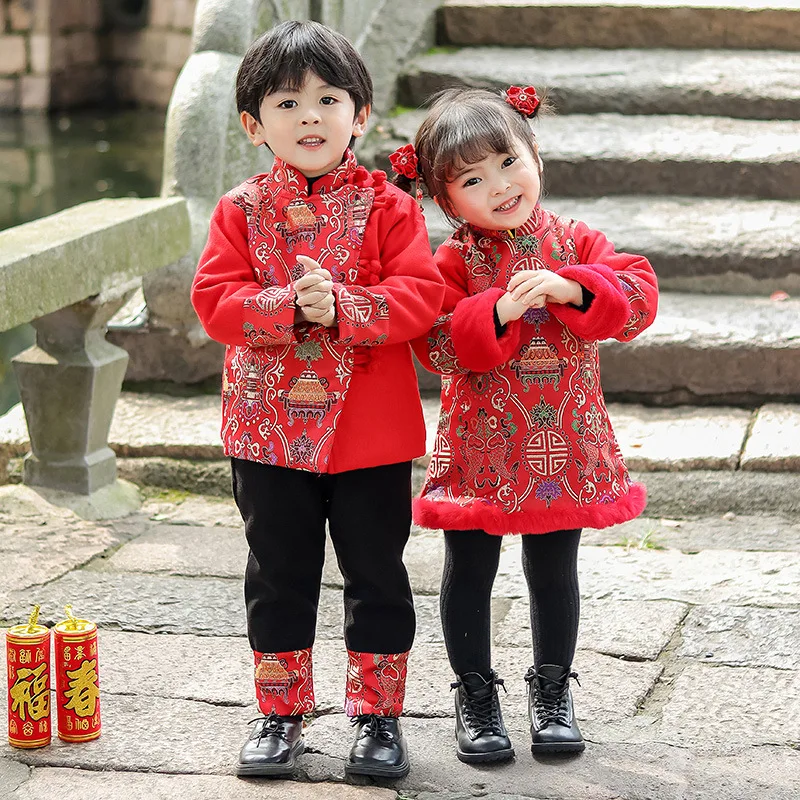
(379, 748)
(480, 733)
(272, 746)
(553, 725)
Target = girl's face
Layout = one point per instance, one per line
(310, 128)
(498, 192)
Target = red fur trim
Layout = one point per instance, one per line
(486, 517)
(474, 338)
(609, 310)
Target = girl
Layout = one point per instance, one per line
(524, 443)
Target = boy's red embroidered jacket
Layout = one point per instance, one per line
(524, 443)
(305, 396)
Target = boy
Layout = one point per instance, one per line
(316, 275)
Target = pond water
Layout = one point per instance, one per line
(49, 163)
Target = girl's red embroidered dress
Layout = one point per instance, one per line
(316, 399)
(524, 442)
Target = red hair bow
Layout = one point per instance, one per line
(404, 161)
(523, 98)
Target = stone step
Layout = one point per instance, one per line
(725, 83)
(738, 24)
(695, 244)
(679, 439)
(596, 155)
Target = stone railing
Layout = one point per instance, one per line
(68, 274)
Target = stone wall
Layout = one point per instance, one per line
(145, 62)
(51, 54)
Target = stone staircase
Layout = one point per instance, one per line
(678, 135)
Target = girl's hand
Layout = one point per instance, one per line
(323, 313)
(509, 309)
(536, 287)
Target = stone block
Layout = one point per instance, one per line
(42, 18)
(774, 441)
(741, 705)
(34, 92)
(44, 169)
(40, 53)
(178, 48)
(82, 48)
(153, 47)
(20, 14)
(15, 166)
(742, 637)
(183, 14)
(125, 45)
(59, 52)
(128, 236)
(676, 439)
(9, 98)
(92, 14)
(161, 13)
(67, 14)
(13, 59)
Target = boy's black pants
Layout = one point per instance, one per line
(369, 517)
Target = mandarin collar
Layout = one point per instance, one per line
(531, 225)
(287, 177)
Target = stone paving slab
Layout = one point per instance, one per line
(53, 782)
(219, 671)
(640, 771)
(635, 630)
(750, 24)
(40, 541)
(774, 443)
(731, 83)
(742, 637)
(719, 576)
(175, 604)
(600, 154)
(743, 707)
(708, 245)
(12, 775)
(222, 553)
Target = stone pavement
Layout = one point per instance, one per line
(688, 659)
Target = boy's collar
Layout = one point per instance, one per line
(287, 176)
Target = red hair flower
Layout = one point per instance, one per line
(523, 98)
(404, 161)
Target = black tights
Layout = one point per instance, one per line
(550, 564)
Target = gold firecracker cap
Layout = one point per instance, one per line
(31, 629)
(74, 625)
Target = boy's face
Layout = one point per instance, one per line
(310, 128)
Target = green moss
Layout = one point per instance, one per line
(442, 50)
(398, 110)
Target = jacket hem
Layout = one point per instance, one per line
(452, 516)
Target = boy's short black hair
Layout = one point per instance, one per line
(281, 57)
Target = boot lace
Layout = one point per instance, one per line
(550, 699)
(482, 714)
(375, 726)
(272, 725)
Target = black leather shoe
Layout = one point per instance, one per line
(480, 733)
(553, 725)
(272, 747)
(379, 748)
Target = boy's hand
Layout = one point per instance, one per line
(314, 293)
(535, 287)
(509, 309)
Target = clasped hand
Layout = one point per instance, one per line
(315, 299)
(533, 288)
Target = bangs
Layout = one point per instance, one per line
(468, 136)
